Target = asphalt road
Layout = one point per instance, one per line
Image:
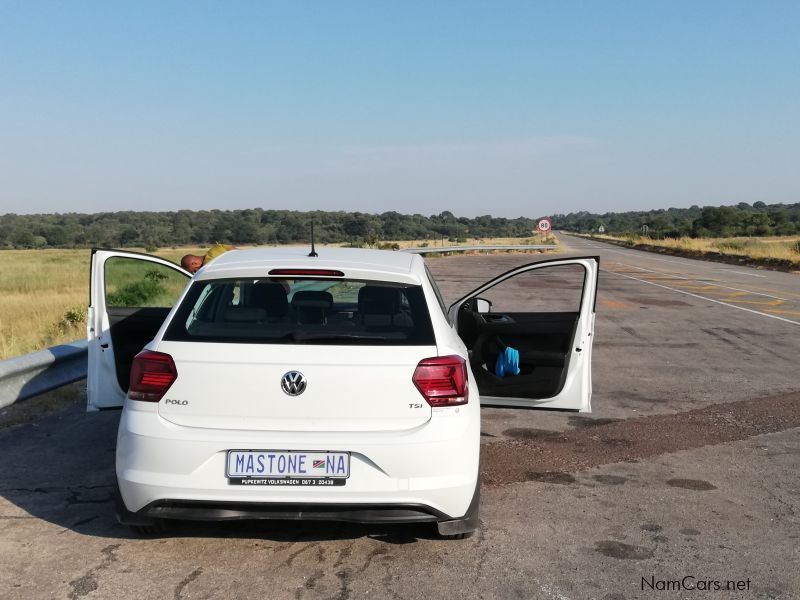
(688, 466)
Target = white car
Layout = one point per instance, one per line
(276, 385)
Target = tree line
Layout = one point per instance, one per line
(757, 219)
(250, 226)
(259, 226)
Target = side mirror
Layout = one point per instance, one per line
(482, 305)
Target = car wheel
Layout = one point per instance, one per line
(460, 529)
(156, 529)
(456, 536)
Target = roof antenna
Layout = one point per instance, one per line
(313, 253)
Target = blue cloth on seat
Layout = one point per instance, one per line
(507, 363)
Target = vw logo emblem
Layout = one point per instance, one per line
(293, 383)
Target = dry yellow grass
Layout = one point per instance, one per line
(44, 294)
(37, 289)
(784, 248)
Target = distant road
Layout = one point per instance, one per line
(761, 293)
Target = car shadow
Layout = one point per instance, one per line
(60, 469)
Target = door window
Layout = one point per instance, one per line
(132, 282)
(555, 289)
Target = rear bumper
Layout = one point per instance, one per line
(174, 472)
(347, 513)
(233, 511)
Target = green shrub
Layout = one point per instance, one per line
(71, 322)
(138, 293)
(389, 246)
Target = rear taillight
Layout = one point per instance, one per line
(152, 373)
(442, 380)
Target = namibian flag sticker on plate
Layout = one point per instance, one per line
(279, 467)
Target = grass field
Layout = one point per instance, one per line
(784, 248)
(44, 293)
(43, 297)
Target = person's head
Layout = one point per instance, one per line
(192, 262)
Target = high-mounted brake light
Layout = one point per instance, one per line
(152, 374)
(307, 272)
(442, 380)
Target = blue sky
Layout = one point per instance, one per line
(509, 108)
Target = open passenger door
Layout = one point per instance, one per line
(130, 295)
(529, 334)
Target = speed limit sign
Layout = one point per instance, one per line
(544, 225)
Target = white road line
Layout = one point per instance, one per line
(687, 262)
(739, 273)
(750, 310)
(706, 281)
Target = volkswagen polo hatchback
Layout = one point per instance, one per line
(276, 385)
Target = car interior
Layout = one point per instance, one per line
(131, 330)
(543, 338)
(298, 311)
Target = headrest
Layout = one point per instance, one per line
(269, 296)
(378, 300)
(312, 299)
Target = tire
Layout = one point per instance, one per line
(157, 529)
(456, 536)
(464, 527)
(142, 525)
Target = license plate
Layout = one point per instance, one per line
(280, 467)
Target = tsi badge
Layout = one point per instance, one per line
(293, 383)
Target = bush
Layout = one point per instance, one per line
(795, 247)
(71, 322)
(138, 293)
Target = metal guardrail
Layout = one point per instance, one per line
(38, 372)
(434, 250)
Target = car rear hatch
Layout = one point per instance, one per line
(354, 342)
(350, 388)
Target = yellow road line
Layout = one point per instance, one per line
(750, 310)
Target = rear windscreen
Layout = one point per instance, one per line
(303, 311)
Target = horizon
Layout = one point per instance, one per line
(368, 212)
(514, 109)
(375, 213)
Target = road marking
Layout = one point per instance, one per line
(750, 310)
(740, 273)
(705, 281)
(679, 260)
(692, 262)
(794, 313)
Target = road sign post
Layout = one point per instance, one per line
(544, 226)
